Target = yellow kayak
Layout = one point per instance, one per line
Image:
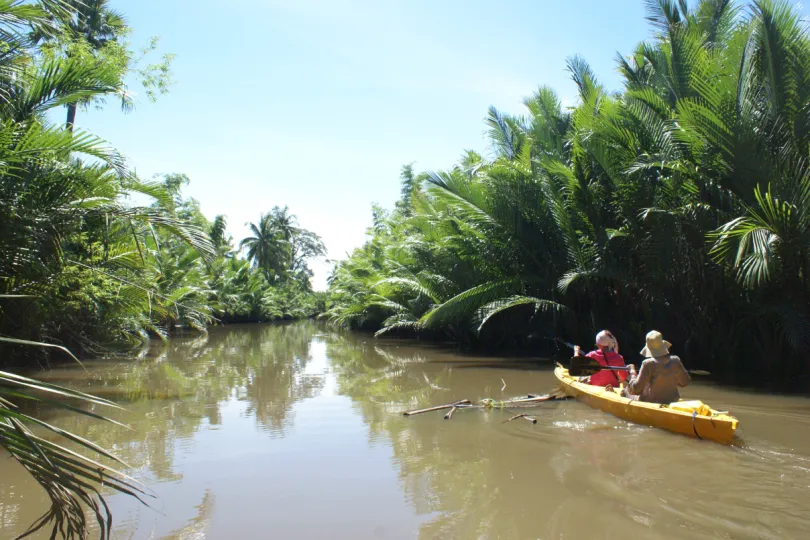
(693, 418)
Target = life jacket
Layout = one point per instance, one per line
(608, 376)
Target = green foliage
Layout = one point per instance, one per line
(281, 249)
(681, 203)
(219, 235)
(93, 34)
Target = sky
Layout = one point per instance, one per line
(317, 104)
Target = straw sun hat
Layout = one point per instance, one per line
(656, 345)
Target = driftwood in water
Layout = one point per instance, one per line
(521, 402)
(437, 407)
(516, 403)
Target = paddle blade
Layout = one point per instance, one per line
(576, 371)
(582, 365)
(700, 372)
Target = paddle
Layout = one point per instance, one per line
(569, 345)
(582, 365)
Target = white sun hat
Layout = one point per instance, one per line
(606, 339)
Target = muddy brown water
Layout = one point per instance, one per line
(295, 431)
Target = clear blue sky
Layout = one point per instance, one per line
(318, 103)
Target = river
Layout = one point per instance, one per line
(294, 431)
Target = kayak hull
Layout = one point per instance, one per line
(700, 422)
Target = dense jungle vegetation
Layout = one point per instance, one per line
(82, 265)
(681, 203)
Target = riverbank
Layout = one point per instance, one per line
(548, 351)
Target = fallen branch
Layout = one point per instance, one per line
(437, 408)
(529, 401)
(515, 403)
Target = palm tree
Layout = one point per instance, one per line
(91, 25)
(285, 222)
(95, 21)
(98, 25)
(219, 235)
(268, 248)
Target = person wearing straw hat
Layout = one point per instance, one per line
(660, 375)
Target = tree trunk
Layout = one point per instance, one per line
(71, 117)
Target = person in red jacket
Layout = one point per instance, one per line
(607, 354)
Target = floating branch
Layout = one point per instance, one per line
(437, 408)
(528, 401)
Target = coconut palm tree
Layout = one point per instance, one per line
(88, 27)
(285, 222)
(219, 235)
(268, 247)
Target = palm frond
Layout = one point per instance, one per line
(462, 306)
(71, 480)
(490, 310)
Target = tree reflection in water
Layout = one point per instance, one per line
(198, 526)
(438, 475)
(191, 380)
(467, 477)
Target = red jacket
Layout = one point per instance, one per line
(606, 377)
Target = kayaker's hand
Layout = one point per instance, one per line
(577, 351)
(632, 370)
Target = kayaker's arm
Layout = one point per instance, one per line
(627, 376)
(638, 383)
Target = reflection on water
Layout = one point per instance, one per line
(294, 432)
